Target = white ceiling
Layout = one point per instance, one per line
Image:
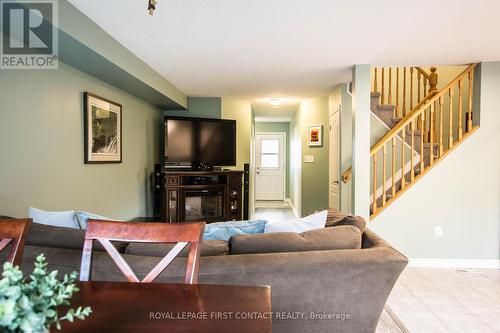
(258, 49)
(263, 111)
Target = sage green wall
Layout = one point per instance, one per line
(41, 145)
(468, 181)
(314, 176)
(283, 127)
(200, 107)
(241, 111)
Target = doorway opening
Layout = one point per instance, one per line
(271, 171)
(270, 167)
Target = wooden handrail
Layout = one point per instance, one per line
(423, 72)
(417, 111)
(346, 176)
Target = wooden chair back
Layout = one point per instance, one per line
(139, 232)
(14, 231)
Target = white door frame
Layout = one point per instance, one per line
(283, 157)
(339, 156)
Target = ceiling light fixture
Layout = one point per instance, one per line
(151, 6)
(275, 102)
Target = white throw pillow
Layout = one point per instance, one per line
(83, 217)
(311, 222)
(64, 219)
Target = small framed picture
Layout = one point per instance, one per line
(102, 130)
(315, 135)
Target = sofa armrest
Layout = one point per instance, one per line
(356, 283)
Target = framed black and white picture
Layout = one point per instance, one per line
(102, 130)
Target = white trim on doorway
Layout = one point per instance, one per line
(290, 204)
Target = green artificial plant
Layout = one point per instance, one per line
(30, 305)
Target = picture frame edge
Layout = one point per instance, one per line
(86, 96)
(313, 144)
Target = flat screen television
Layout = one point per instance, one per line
(199, 143)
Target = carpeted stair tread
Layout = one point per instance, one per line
(416, 132)
(385, 107)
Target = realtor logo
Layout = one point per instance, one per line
(29, 34)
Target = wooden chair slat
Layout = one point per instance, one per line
(86, 265)
(160, 267)
(14, 231)
(119, 261)
(4, 242)
(193, 264)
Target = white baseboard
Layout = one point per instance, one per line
(289, 202)
(454, 263)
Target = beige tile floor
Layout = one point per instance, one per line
(271, 204)
(390, 323)
(272, 211)
(438, 300)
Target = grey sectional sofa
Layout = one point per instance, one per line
(335, 290)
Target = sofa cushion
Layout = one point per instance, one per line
(64, 238)
(65, 219)
(335, 238)
(311, 222)
(336, 218)
(224, 230)
(208, 248)
(83, 217)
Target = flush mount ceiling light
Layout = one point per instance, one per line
(151, 6)
(275, 102)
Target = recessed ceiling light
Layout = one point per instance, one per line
(275, 101)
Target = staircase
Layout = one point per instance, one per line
(428, 131)
(423, 124)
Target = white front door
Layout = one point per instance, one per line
(270, 166)
(334, 161)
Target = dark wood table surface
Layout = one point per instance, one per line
(155, 307)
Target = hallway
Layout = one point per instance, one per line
(273, 211)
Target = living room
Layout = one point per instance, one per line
(312, 178)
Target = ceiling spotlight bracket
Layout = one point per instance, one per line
(151, 6)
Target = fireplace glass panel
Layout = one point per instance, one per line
(204, 204)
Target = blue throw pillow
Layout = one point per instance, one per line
(224, 230)
(83, 217)
(64, 219)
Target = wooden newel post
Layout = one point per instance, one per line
(433, 80)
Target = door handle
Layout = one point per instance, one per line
(335, 182)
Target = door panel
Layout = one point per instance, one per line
(334, 161)
(270, 160)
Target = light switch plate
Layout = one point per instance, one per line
(308, 158)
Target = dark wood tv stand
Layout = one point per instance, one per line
(210, 196)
